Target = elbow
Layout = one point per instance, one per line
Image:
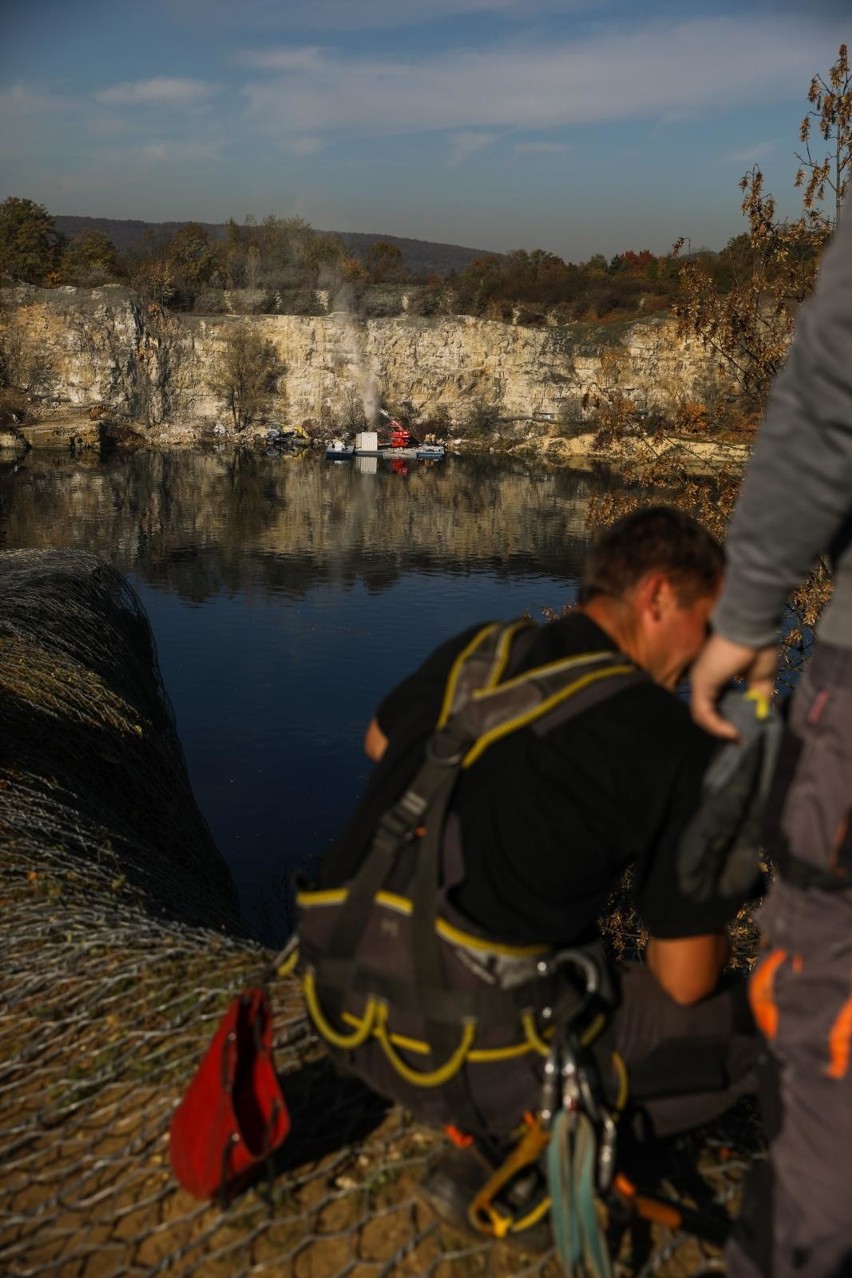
(375, 742)
(686, 992)
(687, 970)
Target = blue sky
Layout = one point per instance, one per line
(577, 126)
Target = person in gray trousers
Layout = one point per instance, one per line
(796, 503)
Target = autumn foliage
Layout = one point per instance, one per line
(747, 325)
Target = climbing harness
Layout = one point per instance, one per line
(389, 969)
(399, 986)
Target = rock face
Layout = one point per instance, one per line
(79, 346)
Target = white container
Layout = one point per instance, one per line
(366, 441)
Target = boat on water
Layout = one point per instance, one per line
(337, 450)
(422, 452)
(401, 445)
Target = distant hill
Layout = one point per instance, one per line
(421, 257)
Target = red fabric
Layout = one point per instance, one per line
(233, 1114)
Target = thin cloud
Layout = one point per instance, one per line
(466, 144)
(162, 90)
(541, 148)
(30, 112)
(366, 15)
(749, 154)
(304, 58)
(28, 99)
(171, 152)
(648, 73)
(304, 145)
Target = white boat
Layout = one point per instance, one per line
(367, 445)
(424, 453)
(336, 450)
(419, 452)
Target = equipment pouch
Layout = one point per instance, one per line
(233, 1114)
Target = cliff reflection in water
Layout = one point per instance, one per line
(205, 523)
(287, 595)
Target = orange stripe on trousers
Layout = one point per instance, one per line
(840, 1042)
(761, 993)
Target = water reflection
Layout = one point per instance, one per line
(286, 596)
(204, 523)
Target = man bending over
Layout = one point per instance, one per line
(539, 829)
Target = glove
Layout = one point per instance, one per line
(719, 851)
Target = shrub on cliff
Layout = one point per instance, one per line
(246, 375)
(89, 259)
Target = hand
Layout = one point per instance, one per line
(720, 661)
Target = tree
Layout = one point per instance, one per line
(29, 241)
(246, 375)
(597, 265)
(771, 270)
(192, 255)
(749, 326)
(481, 280)
(89, 259)
(155, 279)
(384, 262)
(832, 109)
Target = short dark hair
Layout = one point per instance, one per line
(653, 539)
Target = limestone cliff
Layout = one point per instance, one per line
(105, 345)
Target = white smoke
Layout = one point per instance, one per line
(364, 375)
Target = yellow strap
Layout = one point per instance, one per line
(327, 1030)
(761, 703)
(476, 1055)
(482, 1213)
(289, 963)
(532, 1217)
(436, 1077)
(536, 712)
(592, 1030)
(533, 1037)
(458, 664)
(620, 1068)
(503, 653)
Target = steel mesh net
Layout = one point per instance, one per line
(120, 951)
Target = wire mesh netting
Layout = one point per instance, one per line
(121, 949)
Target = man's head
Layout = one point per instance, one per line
(650, 581)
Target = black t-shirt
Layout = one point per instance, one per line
(549, 822)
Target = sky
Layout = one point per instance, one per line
(575, 126)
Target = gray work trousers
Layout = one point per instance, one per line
(686, 1064)
(798, 1222)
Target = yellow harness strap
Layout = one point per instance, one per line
(482, 1213)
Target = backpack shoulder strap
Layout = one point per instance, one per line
(480, 666)
(546, 696)
(487, 710)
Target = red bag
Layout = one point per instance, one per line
(233, 1115)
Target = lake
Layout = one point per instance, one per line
(287, 594)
